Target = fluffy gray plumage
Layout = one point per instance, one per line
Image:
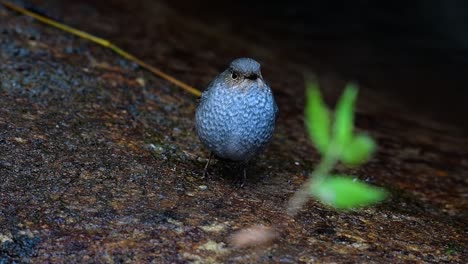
(237, 112)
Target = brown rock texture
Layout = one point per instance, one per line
(99, 160)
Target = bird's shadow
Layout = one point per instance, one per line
(233, 172)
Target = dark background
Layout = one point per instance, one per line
(416, 50)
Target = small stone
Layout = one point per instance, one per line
(215, 227)
(19, 140)
(141, 81)
(5, 238)
(154, 148)
(214, 246)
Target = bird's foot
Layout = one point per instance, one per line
(205, 170)
(241, 181)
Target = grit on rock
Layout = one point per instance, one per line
(100, 161)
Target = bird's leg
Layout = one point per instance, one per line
(205, 170)
(244, 177)
(245, 164)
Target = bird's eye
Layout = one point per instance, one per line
(234, 75)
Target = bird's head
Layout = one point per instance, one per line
(244, 72)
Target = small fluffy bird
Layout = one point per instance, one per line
(237, 113)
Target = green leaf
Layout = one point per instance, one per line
(344, 116)
(345, 193)
(317, 117)
(358, 150)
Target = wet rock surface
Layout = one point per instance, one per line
(100, 161)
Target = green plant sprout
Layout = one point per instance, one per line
(334, 138)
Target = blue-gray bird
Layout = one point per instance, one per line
(237, 113)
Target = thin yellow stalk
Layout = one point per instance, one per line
(104, 43)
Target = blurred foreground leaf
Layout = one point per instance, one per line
(358, 150)
(345, 193)
(317, 117)
(334, 137)
(344, 116)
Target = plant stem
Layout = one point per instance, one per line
(318, 175)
